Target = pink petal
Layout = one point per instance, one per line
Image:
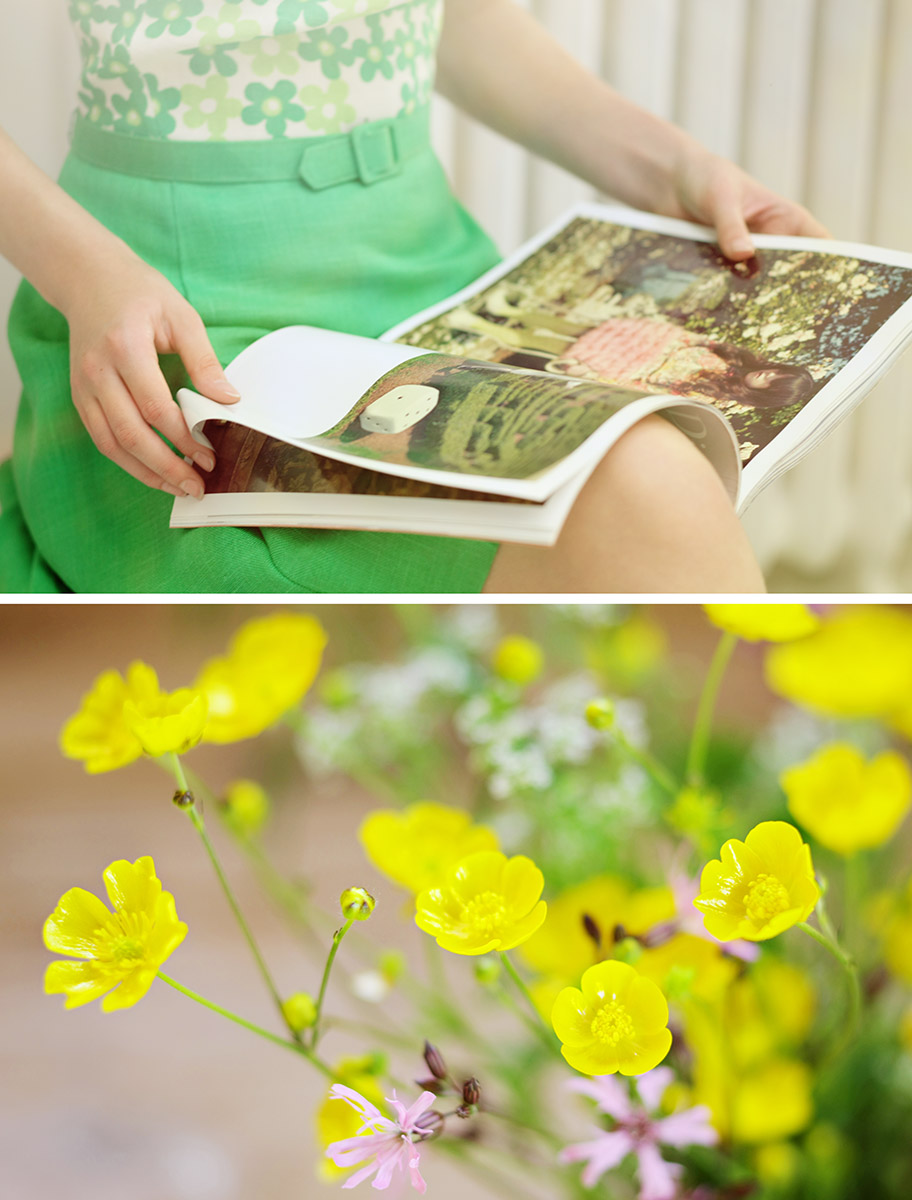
(370, 1112)
(688, 1128)
(418, 1109)
(417, 1182)
(657, 1177)
(651, 1086)
(360, 1176)
(388, 1160)
(603, 1153)
(611, 1096)
(350, 1151)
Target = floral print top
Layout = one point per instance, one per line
(203, 70)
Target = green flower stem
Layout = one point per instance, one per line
(196, 820)
(263, 1033)
(699, 741)
(330, 958)
(827, 939)
(651, 766)
(537, 1022)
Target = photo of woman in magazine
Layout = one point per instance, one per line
(666, 314)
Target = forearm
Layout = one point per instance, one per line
(536, 94)
(45, 234)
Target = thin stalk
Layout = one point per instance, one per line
(198, 824)
(330, 958)
(536, 1022)
(263, 1033)
(699, 741)
(829, 942)
(653, 768)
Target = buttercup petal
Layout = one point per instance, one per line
(73, 926)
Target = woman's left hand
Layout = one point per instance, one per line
(715, 192)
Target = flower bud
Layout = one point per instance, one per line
(357, 904)
(435, 1062)
(430, 1123)
(183, 799)
(471, 1091)
(437, 1086)
(487, 970)
(245, 807)
(518, 660)
(600, 713)
(464, 1111)
(300, 1011)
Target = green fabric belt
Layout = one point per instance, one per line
(369, 153)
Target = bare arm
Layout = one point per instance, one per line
(499, 65)
(122, 314)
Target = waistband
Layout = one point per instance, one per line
(368, 154)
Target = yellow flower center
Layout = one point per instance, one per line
(612, 1024)
(484, 913)
(766, 897)
(126, 948)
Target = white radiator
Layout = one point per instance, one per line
(812, 96)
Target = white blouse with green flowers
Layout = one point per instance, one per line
(206, 70)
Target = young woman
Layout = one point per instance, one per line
(237, 167)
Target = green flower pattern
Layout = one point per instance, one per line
(212, 70)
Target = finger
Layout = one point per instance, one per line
(99, 431)
(144, 381)
(139, 442)
(190, 340)
(790, 219)
(726, 214)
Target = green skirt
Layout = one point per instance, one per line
(362, 245)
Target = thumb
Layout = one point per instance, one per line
(190, 340)
(726, 215)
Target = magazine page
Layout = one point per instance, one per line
(784, 345)
(259, 480)
(441, 419)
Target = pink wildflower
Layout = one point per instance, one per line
(391, 1144)
(636, 1132)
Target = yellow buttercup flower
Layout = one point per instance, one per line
(337, 1120)
(414, 846)
(487, 902)
(857, 664)
(688, 967)
(764, 622)
(760, 887)
(167, 722)
(518, 660)
(616, 1020)
(848, 804)
(579, 929)
(772, 1102)
(246, 807)
(99, 734)
(270, 664)
(123, 949)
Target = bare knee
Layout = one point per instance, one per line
(653, 517)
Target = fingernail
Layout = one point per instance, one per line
(228, 390)
(194, 488)
(173, 491)
(204, 459)
(742, 246)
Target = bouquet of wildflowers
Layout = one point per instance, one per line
(662, 961)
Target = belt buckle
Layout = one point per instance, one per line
(375, 150)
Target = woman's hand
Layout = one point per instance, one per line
(713, 191)
(121, 322)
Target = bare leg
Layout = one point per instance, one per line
(653, 517)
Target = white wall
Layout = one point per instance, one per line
(812, 96)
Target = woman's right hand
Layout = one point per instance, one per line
(123, 318)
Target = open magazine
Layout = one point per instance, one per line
(484, 415)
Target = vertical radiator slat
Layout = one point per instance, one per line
(711, 57)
